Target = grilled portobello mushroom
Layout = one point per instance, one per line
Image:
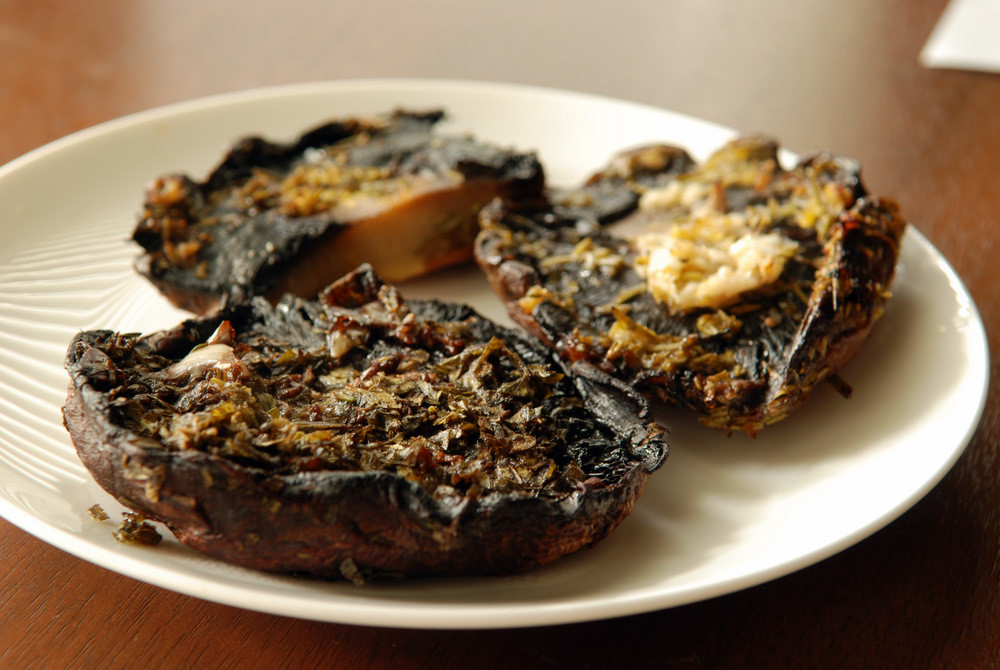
(359, 435)
(291, 218)
(732, 287)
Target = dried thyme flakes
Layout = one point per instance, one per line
(97, 513)
(478, 420)
(134, 527)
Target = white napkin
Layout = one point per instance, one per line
(966, 37)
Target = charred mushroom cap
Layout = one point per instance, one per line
(334, 506)
(275, 218)
(581, 288)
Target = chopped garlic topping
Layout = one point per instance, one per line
(216, 354)
(203, 359)
(712, 269)
(703, 258)
(709, 243)
(677, 193)
(591, 257)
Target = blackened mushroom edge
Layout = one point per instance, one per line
(279, 507)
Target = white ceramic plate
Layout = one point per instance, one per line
(723, 513)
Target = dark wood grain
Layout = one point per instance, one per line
(923, 592)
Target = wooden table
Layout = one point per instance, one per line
(922, 592)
